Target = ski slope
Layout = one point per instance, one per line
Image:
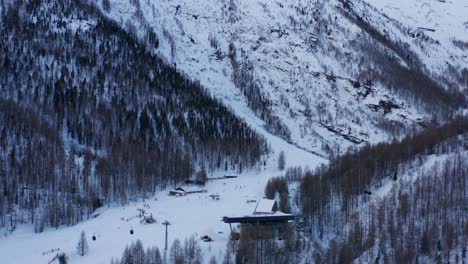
(193, 214)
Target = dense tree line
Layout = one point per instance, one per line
(294, 173)
(421, 219)
(260, 244)
(188, 252)
(136, 254)
(90, 115)
(352, 174)
(277, 188)
(422, 222)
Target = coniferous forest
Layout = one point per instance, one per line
(89, 115)
(297, 132)
(423, 218)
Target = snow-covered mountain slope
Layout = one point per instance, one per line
(309, 59)
(431, 35)
(436, 30)
(42, 141)
(337, 75)
(422, 195)
(428, 175)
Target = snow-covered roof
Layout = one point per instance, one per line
(265, 206)
(192, 189)
(280, 213)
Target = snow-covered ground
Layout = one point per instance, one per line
(305, 56)
(194, 214)
(292, 71)
(430, 164)
(294, 76)
(431, 27)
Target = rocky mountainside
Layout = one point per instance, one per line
(324, 75)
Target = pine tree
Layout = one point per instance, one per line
(127, 257)
(82, 246)
(213, 260)
(425, 244)
(192, 251)
(202, 177)
(138, 252)
(281, 161)
(177, 254)
(153, 256)
(106, 5)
